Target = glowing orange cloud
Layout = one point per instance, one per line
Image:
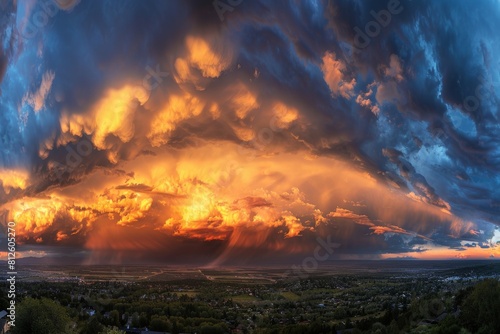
(13, 179)
(177, 108)
(333, 73)
(219, 192)
(203, 59)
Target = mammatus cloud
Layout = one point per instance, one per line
(13, 179)
(163, 129)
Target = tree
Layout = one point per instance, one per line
(393, 327)
(447, 326)
(175, 328)
(4, 302)
(159, 323)
(211, 329)
(40, 316)
(143, 320)
(114, 318)
(92, 326)
(379, 328)
(481, 308)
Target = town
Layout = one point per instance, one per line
(103, 299)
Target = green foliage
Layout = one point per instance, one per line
(160, 324)
(92, 326)
(312, 328)
(481, 308)
(359, 304)
(379, 328)
(393, 328)
(4, 302)
(114, 318)
(448, 326)
(212, 329)
(40, 316)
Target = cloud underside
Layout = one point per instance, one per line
(161, 129)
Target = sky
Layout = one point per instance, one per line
(250, 132)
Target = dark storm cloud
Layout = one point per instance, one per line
(446, 50)
(416, 107)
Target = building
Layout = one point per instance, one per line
(4, 322)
